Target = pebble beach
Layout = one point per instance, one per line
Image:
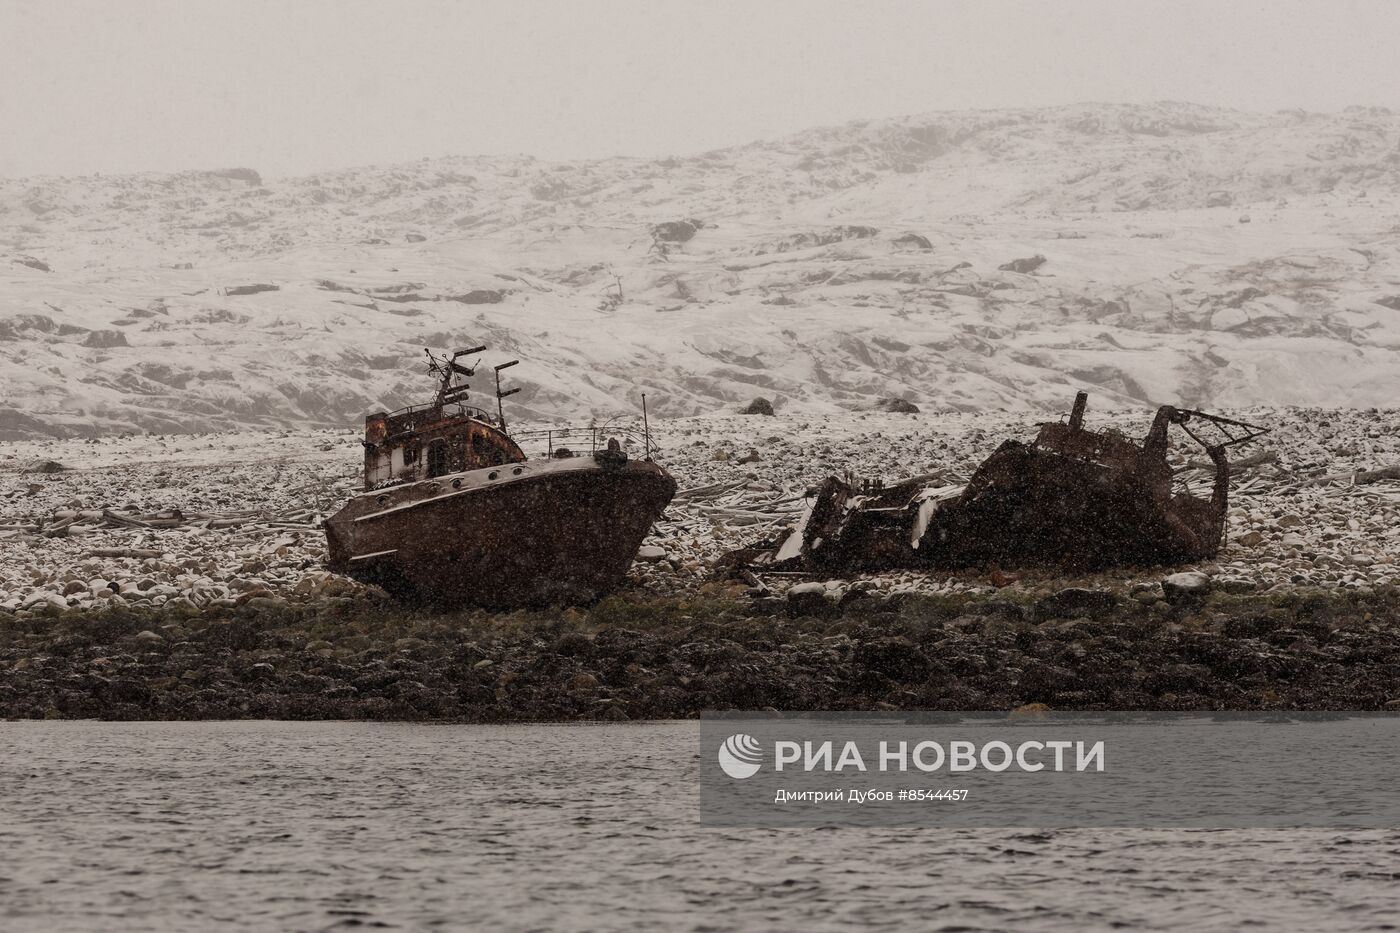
(218, 521)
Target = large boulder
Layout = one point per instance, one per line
(18, 326)
(1024, 266)
(897, 406)
(759, 406)
(1185, 587)
(675, 231)
(105, 339)
(810, 599)
(913, 241)
(44, 466)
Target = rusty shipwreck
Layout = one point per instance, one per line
(454, 512)
(1073, 498)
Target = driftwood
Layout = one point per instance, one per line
(1374, 476)
(743, 517)
(1355, 477)
(707, 492)
(301, 520)
(112, 518)
(1244, 463)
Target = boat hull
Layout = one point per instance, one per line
(523, 534)
(1027, 505)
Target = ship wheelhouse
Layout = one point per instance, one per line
(446, 436)
(416, 444)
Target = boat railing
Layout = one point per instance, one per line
(448, 408)
(589, 438)
(411, 417)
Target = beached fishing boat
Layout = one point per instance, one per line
(454, 512)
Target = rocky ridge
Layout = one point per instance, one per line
(966, 261)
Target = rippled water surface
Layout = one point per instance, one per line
(323, 826)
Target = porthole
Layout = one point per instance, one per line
(517, 471)
(380, 500)
(492, 475)
(456, 484)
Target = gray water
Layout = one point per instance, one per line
(328, 826)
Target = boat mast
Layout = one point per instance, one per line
(646, 426)
(447, 369)
(500, 412)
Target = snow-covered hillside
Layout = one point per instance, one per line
(1189, 254)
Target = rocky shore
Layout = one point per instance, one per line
(213, 521)
(181, 577)
(638, 657)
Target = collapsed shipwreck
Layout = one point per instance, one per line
(1073, 498)
(454, 512)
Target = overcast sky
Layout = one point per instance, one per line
(293, 86)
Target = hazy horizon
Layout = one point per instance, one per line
(160, 86)
(351, 166)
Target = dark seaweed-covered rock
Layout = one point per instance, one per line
(895, 657)
(644, 658)
(1075, 601)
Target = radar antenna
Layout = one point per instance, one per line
(447, 369)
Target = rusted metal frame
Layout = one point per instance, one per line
(1139, 518)
(1223, 425)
